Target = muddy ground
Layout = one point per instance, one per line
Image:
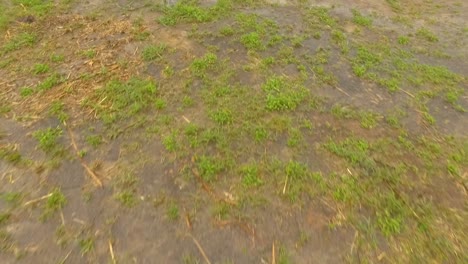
(233, 131)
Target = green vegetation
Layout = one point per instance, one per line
(252, 41)
(222, 117)
(250, 176)
(160, 103)
(57, 109)
(297, 176)
(119, 100)
(209, 168)
(11, 197)
(367, 119)
(342, 119)
(125, 189)
(127, 198)
(361, 20)
(94, 140)
(281, 94)
(56, 201)
(10, 154)
(365, 59)
(283, 256)
(50, 82)
(86, 245)
(353, 150)
(172, 212)
(170, 142)
(319, 17)
(154, 52)
(183, 12)
(57, 58)
(89, 53)
(426, 34)
(48, 138)
(40, 68)
(19, 41)
(395, 4)
(403, 40)
(201, 65)
(4, 218)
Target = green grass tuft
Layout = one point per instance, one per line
(361, 20)
(55, 202)
(119, 100)
(40, 68)
(153, 52)
(201, 65)
(250, 176)
(252, 41)
(48, 138)
(282, 95)
(222, 117)
(426, 34)
(209, 168)
(20, 41)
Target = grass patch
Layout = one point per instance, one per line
(282, 95)
(209, 168)
(284, 256)
(40, 68)
(55, 202)
(319, 17)
(426, 34)
(297, 176)
(185, 12)
(37, 7)
(188, 11)
(57, 58)
(354, 150)
(86, 245)
(250, 176)
(252, 41)
(172, 212)
(364, 60)
(126, 198)
(20, 41)
(403, 40)
(394, 4)
(4, 218)
(57, 109)
(125, 188)
(153, 52)
(360, 19)
(201, 65)
(222, 117)
(94, 140)
(89, 53)
(170, 142)
(367, 119)
(10, 154)
(50, 82)
(48, 138)
(11, 197)
(118, 100)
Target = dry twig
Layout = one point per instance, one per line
(208, 189)
(202, 252)
(111, 250)
(38, 199)
(97, 181)
(273, 258)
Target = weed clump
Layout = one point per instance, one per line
(282, 95)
